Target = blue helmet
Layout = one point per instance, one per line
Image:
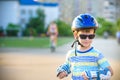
(84, 21)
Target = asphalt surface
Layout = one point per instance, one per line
(109, 47)
(34, 63)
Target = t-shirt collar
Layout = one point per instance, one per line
(85, 51)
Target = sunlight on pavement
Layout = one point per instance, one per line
(25, 66)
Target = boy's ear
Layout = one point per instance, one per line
(75, 34)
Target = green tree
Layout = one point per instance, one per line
(118, 24)
(64, 28)
(12, 29)
(35, 25)
(105, 26)
(1, 31)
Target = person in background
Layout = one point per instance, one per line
(53, 34)
(85, 62)
(118, 36)
(105, 35)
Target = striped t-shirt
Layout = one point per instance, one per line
(90, 60)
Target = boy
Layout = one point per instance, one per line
(85, 62)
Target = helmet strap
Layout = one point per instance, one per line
(75, 43)
(80, 43)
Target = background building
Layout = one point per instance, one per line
(19, 11)
(9, 12)
(117, 9)
(109, 10)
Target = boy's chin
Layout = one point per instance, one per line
(86, 45)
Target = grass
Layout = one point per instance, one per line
(31, 42)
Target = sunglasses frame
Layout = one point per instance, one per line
(84, 36)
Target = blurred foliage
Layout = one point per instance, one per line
(118, 24)
(29, 31)
(12, 29)
(35, 25)
(1, 31)
(64, 28)
(105, 26)
(31, 42)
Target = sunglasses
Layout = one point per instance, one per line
(83, 36)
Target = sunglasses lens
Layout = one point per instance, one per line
(91, 36)
(82, 36)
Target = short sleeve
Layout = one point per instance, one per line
(67, 58)
(102, 61)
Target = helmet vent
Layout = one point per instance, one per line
(80, 19)
(84, 21)
(92, 19)
(86, 16)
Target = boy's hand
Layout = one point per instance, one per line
(62, 75)
(85, 76)
(105, 74)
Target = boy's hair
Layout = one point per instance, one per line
(86, 29)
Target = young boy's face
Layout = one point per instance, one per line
(85, 36)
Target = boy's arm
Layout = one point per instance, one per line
(63, 68)
(106, 71)
(111, 70)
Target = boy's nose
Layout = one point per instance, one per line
(87, 38)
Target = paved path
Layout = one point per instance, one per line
(40, 64)
(109, 47)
